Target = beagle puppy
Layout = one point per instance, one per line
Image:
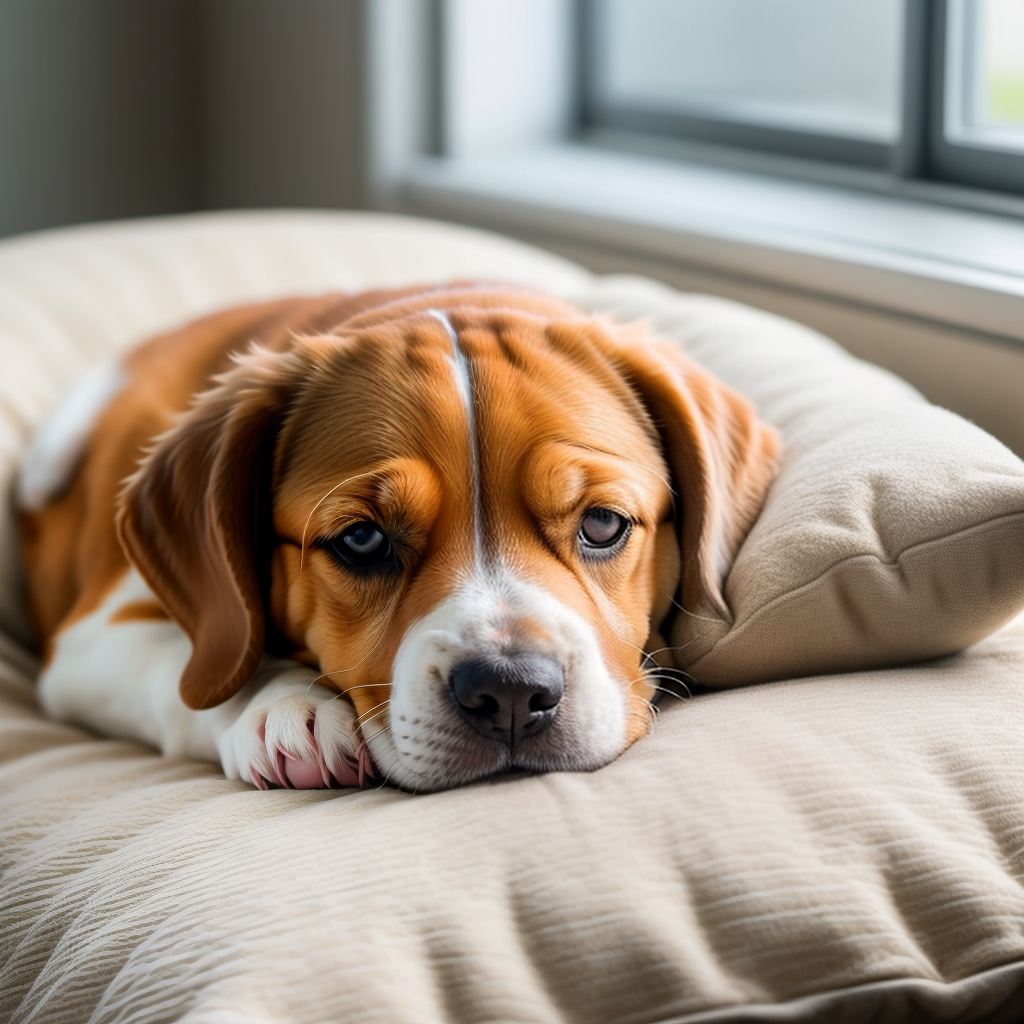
(429, 534)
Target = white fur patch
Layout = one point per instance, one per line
(426, 746)
(121, 679)
(58, 445)
(464, 385)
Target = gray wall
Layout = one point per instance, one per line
(121, 108)
(97, 110)
(282, 106)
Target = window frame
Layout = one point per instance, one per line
(696, 125)
(959, 162)
(921, 150)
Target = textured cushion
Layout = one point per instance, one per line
(849, 847)
(895, 529)
(832, 849)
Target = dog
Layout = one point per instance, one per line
(430, 535)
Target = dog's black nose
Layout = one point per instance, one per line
(508, 698)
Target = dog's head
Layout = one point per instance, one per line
(472, 509)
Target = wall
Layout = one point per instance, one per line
(97, 110)
(122, 108)
(282, 111)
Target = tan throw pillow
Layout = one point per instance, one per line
(894, 531)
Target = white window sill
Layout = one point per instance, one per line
(938, 264)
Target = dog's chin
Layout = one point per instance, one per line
(467, 758)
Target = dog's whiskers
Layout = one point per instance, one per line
(382, 630)
(649, 708)
(657, 476)
(360, 719)
(693, 615)
(669, 647)
(358, 686)
(380, 715)
(669, 693)
(665, 676)
(394, 764)
(361, 686)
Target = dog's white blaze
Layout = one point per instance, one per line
(58, 445)
(464, 384)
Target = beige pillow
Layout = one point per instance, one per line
(895, 529)
(829, 851)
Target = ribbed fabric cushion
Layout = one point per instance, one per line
(832, 849)
(827, 838)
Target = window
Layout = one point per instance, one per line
(845, 232)
(926, 88)
(977, 127)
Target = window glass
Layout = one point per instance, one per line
(985, 73)
(824, 66)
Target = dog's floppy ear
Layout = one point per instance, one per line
(188, 521)
(721, 456)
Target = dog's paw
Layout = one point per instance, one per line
(297, 735)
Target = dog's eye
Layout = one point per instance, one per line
(362, 544)
(602, 529)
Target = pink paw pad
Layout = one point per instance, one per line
(302, 774)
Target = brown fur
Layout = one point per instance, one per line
(346, 411)
(140, 611)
